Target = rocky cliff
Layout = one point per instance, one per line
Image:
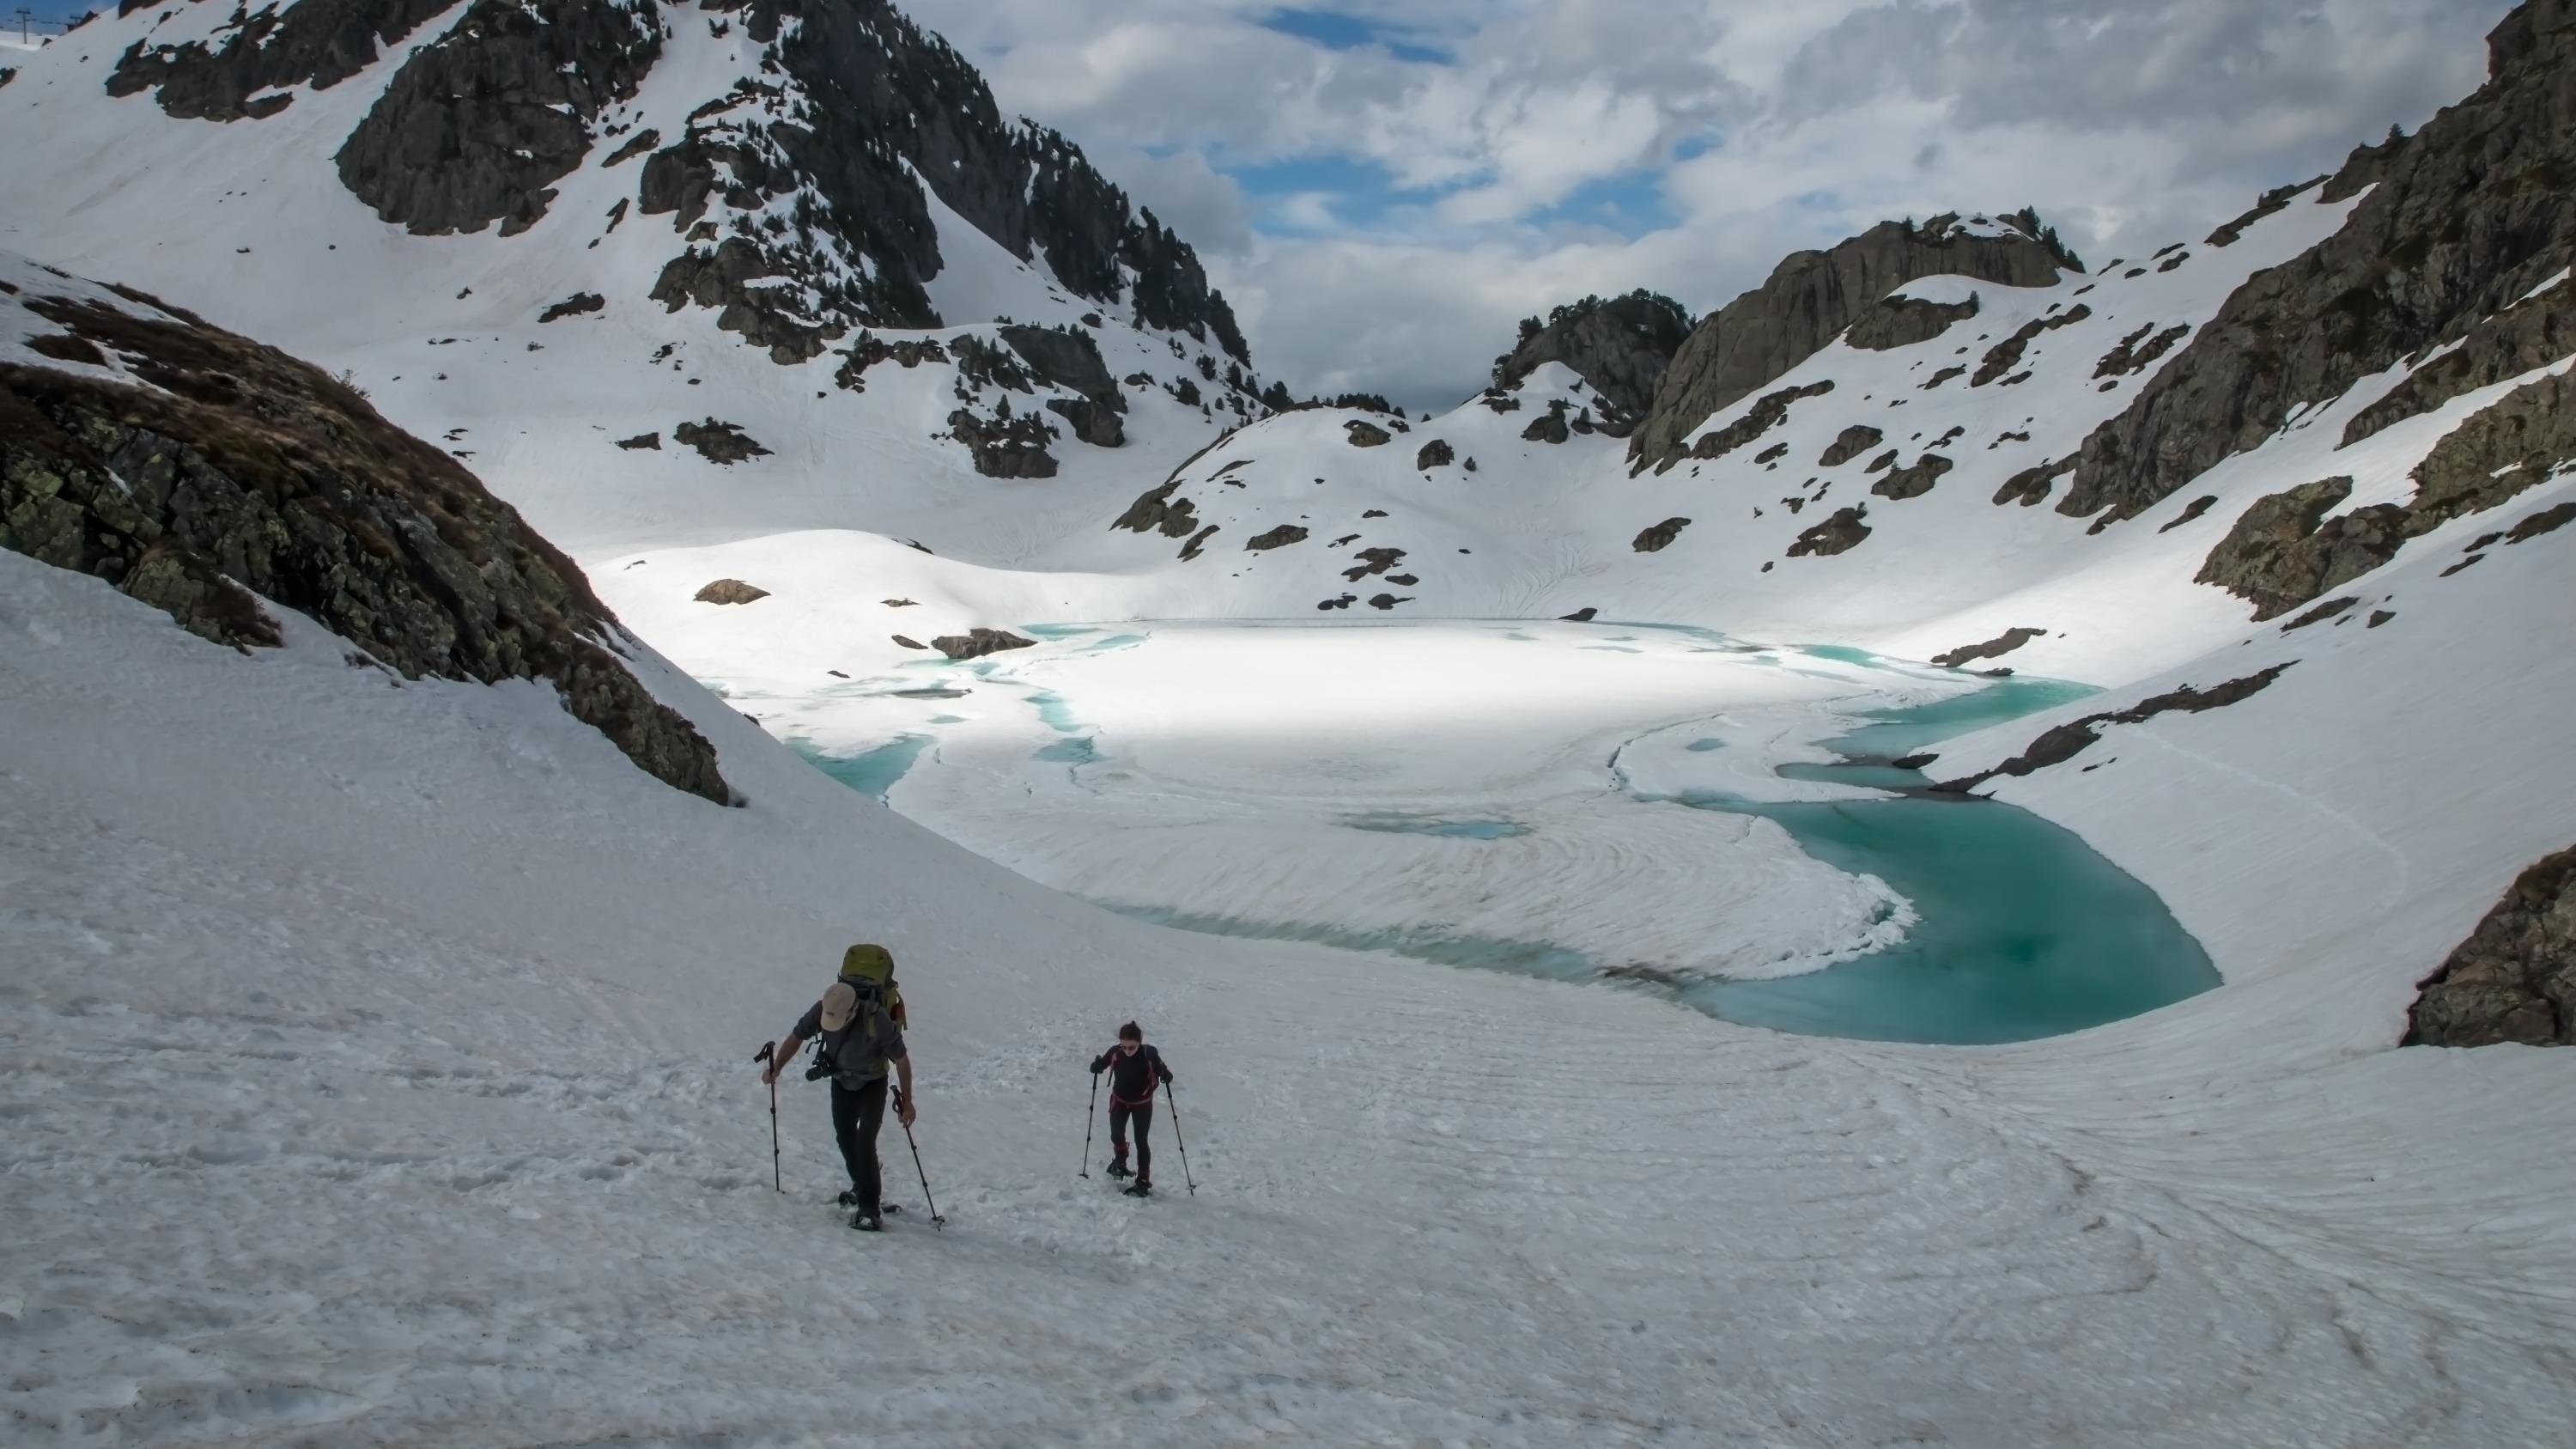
(201, 472)
(1619, 345)
(2462, 220)
(1812, 296)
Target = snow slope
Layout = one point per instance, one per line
(305, 1153)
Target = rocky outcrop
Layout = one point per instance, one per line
(719, 442)
(729, 277)
(238, 469)
(651, 442)
(1364, 434)
(2006, 355)
(2139, 350)
(2064, 742)
(1810, 298)
(1894, 322)
(1914, 479)
(2517, 443)
(1071, 360)
(1091, 423)
(1583, 615)
(1548, 427)
(1280, 537)
(1768, 412)
(264, 57)
(2514, 978)
(1839, 534)
(2271, 202)
(2031, 486)
(978, 642)
(1660, 537)
(1004, 445)
(1156, 510)
(477, 125)
(1373, 561)
(575, 305)
(1434, 454)
(2466, 216)
(730, 591)
(1850, 443)
(1995, 648)
(2524, 338)
(1620, 346)
(857, 112)
(2281, 553)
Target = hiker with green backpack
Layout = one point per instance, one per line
(860, 1022)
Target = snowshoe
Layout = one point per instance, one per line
(1119, 1169)
(867, 1222)
(849, 1197)
(890, 1208)
(1141, 1189)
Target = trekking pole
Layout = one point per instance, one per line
(767, 1053)
(1087, 1120)
(936, 1220)
(1176, 1138)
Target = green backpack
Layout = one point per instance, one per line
(870, 969)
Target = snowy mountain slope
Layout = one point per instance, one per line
(701, 287)
(415, 1174)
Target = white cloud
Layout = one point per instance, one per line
(2127, 124)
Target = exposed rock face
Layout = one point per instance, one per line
(2513, 445)
(1435, 454)
(245, 470)
(865, 110)
(1092, 423)
(1914, 479)
(1995, 648)
(2469, 214)
(2138, 351)
(730, 591)
(2514, 978)
(1767, 412)
(1158, 511)
(1005, 446)
(719, 442)
(648, 441)
(2030, 486)
(2065, 741)
(1071, 360)
(1373, 561)
(978, 642)
(1839, 534)
(724, 277)
(1894, 322)
(1363, 434)
(2523, 338)
(319, 43)
(1619, 345)
(2006, 355)
(2191, 512)
(1850, 443)
(1548, 427)
(2270, 202)
(1809, 299)
(1583, 615)
(573, 306)
(1280, 537)
(2279, 554)
(479, 123)
(1660, 537)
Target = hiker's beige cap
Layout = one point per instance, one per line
(840, 1003)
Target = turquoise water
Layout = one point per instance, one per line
(1701, 747)
(1895, 733)
(1397, 822)
(1054, 713)
(2025, 930)
(1057, 631)
(870, 772)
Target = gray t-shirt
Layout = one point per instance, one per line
(868, 1055)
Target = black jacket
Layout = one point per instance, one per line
(1132, 1076)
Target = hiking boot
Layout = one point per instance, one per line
(867, 1222)
(1119, 1168)
(849, 1197)
(1142, 1188)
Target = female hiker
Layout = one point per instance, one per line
(1135, 1070)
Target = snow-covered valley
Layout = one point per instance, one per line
(1872, 867)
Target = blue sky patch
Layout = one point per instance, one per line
(1337, 30)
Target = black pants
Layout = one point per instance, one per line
(1120, 1114)
(857, 1113)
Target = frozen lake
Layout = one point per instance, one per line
(1651, 808)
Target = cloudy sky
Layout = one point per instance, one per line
(1383, 187)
